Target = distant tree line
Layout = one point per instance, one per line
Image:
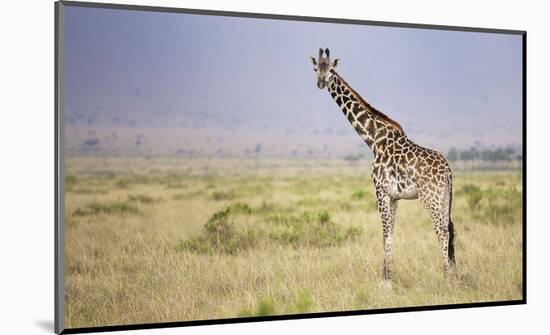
(498, 154)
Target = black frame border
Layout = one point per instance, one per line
(59, 161)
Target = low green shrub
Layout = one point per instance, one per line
(223, 233)
(142, 198)
(304, 303)
(265, 307)
(223, 195)
(114, 208)
(70, 182)
(493, 205)
(503, 206)
(358, 194)
(473, 195)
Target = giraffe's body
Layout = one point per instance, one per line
(401, 169)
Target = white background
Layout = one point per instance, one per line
(27, 165)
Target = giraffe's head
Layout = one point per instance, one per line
(324, 67)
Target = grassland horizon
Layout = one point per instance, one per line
(166, 239)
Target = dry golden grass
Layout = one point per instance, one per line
(129, 222)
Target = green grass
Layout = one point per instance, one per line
(173, 241)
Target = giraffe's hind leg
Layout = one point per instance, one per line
(437, 203)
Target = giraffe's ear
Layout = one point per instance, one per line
(335, 62)
(313, 61)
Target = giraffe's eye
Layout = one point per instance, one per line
(315, 70)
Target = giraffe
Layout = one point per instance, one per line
(401, 169)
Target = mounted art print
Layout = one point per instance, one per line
(218, 167)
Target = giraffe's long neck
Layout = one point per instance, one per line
(374, 127)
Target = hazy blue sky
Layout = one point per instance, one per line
(144, 70)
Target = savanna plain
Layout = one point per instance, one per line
(174, 239)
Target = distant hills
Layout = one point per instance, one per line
(242, 139)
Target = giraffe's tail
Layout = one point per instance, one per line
(451, 248)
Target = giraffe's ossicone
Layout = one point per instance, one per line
(401, 168)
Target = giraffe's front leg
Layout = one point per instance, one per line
(387, 208)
